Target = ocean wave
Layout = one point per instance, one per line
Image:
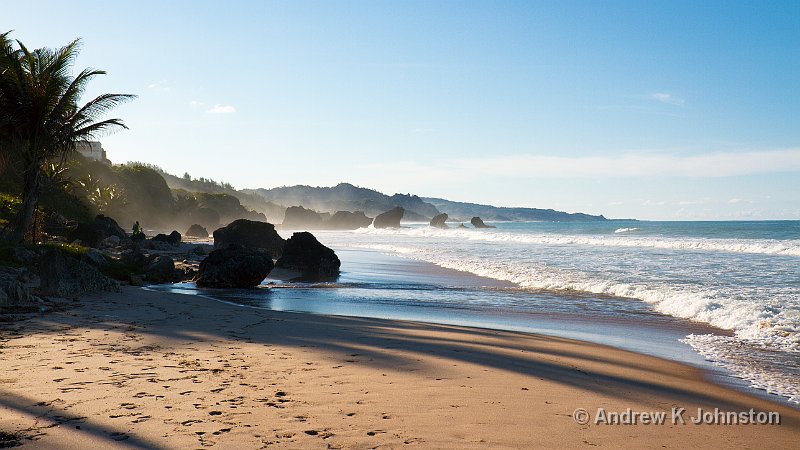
(625, 230)
(744, 285)
(775, 324)
(765, 369)
(754, 246)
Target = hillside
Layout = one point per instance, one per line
(144, 192)
(461, 211)
(273, 212)
(347, 197)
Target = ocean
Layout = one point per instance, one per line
(726, 293)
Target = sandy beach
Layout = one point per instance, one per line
(145, 369)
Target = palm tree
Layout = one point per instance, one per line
(40, 119)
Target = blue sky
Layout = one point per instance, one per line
(652, 110)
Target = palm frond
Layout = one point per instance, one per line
(97, 107)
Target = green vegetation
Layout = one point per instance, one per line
(7, 251)
(139, 192)
(9, 204)
(40, 118)
(73, 250)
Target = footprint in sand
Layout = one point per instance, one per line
(119, 436)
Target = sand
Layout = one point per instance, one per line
(145, 369)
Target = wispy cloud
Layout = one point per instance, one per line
(160, 85)
(221, 109)
(669, 99)
(196, 104)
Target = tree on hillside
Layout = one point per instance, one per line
(40, 118)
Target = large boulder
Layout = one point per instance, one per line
(346, 220)
(252, 234)
(133, 258)
(173, 238)
(304, 253)
(68, 277)
(110, 242)
(94, 257)
(299, 218)
(55, 224)
(161, 269)
(22, 255)
(478, 223)
(15, 297)
(197, 230)
(439, 220)
(390, 219)
(93, 233)
(234, 266)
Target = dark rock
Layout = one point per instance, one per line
(478, 223)
(298, 218)
(234, 266)
(252, 234)
(159, 245)
(133, 258)
(197, 231)
(110, 242)
(15, 297)
(197, 250)
(136, 280)
(94, 257)
(173, 238)
(461, 225)
(55, 224)
(304, 253)
(92, 234)
(390, 219)
(68, 277)
(346, 220)
(439, 220)
(161, 269)
(22, 255)
(26, 276)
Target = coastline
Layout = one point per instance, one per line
(146, 369)
(372, 281)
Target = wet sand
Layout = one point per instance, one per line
(146, 369)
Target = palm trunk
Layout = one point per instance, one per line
(30, 199)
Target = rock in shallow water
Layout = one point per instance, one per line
(304, 253)
(439, 220)
(161, 269)
(390, 219)
(251, 234)
(478, 223)
(299, 218)
(173, 238)
(346, 220)
(197, 230)
(234, 266)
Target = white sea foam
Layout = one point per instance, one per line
(762, 367)
(748, 286)
(625, 230)
(789, 247)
